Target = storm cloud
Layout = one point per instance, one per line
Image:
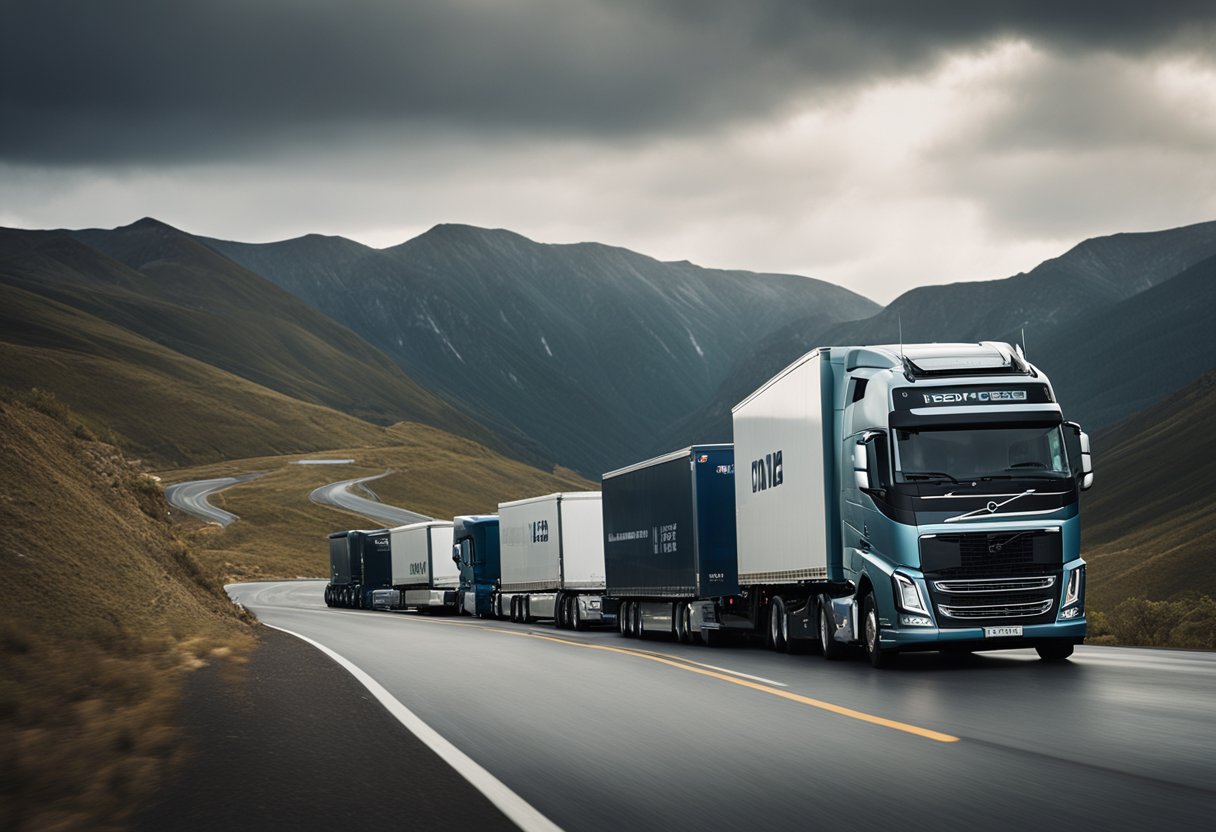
(141, 80)
(875, 143)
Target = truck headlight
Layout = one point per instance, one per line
(907, 595)
(1072, 593)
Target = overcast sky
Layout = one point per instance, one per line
(876, 144)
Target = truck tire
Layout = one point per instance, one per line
(870, 634)
(680, 622)
(576, 614)
(832, 649)
(1053, 651)
(622, 619)
(778, 626)
(515, 608)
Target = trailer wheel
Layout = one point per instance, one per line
(778, 626)
(525, 611)
(680, 623)
(832, 649)
(1053, 651)
(869, 634)
(622, 619)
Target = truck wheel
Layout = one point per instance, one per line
(622, 619)
(515, 609)
(778, 627)
(869, 634)
(525, 613)
(1053, 651)
(635, 621)
(832, 649)
(576, 614)
(680, 622)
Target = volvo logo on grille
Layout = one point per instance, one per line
(993, 548)
(992, 506)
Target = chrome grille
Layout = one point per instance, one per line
(997, 610)
(995, 585)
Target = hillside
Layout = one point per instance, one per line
(1078, 310)
(1148, 527)
(159, 283)
(586, 350)
(1109, 363)
(172, 410)
(282, 535)
(106, 613)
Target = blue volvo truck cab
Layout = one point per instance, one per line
(475, 548)
(915, 497)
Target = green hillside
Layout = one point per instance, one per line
(1148, 527)
(158, 404)
(159, 283)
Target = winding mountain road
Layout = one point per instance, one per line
(592, 731)
(338, 495)
(191, 497)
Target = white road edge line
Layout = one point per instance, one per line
(518, 810)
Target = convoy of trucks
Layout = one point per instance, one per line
(896, 498)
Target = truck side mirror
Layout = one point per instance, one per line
(861, 466)
(1078, 445)
(456, 555)
(1087, 463)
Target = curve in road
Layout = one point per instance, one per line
(338, 495)
(637, 735)
(191, 497)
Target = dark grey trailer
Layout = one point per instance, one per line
(669, 542)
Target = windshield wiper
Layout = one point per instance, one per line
(928, 475)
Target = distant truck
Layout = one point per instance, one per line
(552, 559)
(424, 576)
(669, 543)
(360, 563)
(475, 550)
(917, 497)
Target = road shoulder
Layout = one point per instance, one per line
(291, 740)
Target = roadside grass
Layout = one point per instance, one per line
(281, 534)
(1188, 621)
(107, 612)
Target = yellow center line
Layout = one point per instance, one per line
(679, 664)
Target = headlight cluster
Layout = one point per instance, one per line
(910, 600)
(1071, 608)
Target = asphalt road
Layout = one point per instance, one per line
(338, 494)
(191, 497)
(599, 732)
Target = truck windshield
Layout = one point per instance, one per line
(958, 454)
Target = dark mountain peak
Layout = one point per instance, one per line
(461, 231)
(149, 224)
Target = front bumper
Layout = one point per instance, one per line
(972, 638)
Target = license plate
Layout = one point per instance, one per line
(1001, 632)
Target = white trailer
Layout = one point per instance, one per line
(552, 551)
(423, 570)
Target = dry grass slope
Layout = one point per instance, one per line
(105, 614)
(1148, 524)
(158, 404)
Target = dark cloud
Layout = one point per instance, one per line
(151, 80)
